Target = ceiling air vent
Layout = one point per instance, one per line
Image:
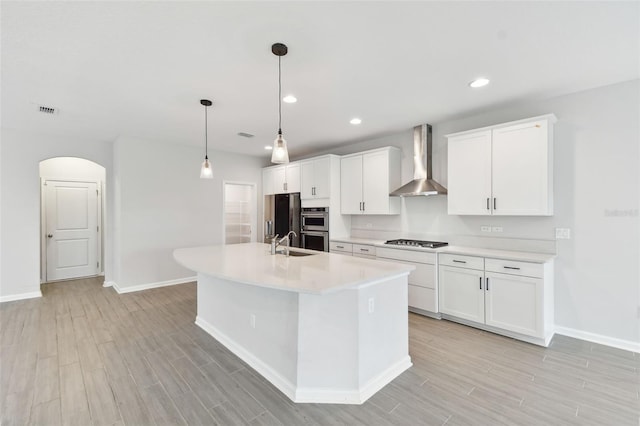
(245, 135)
(47, 110)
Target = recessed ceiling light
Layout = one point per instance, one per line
(290, 99)
(479, 82)
(355, 121)
(268, 147)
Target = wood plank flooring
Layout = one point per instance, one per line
(84, 355)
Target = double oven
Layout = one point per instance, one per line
(315, 228)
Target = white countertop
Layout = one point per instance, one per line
(522, 256)
(320, 273)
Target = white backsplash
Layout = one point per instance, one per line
(426, 218)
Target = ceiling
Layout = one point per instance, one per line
(139, 69)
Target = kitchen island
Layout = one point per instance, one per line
(322, 328)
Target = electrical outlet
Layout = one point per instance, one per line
(485, 229)
(563, 234)
(372, 305)
(252, 320)
(496, 229)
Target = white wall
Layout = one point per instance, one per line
(162, 204)
(596, 171)
(21, 153)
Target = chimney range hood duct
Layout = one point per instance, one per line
(422, 183)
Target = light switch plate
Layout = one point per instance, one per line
(485, 229)
(563, 234)
(496, 229)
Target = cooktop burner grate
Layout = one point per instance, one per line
(416, 243)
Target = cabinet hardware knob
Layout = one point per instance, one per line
(50, 236)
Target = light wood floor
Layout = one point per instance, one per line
(83, 355)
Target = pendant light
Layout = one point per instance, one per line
(279, 155)
(205, 171)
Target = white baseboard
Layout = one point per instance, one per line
(357, 396)
(307, 395)
(148, 286)
(627, 345)
(285, 386)
(108, 284)
(14, 297)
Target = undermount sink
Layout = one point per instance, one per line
(299, 253)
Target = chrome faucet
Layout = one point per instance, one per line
(275, 243)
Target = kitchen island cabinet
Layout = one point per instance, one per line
(322, 328)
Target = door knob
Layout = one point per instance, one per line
(50, 236)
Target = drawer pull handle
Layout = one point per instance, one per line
(459, 261)
(339, 246)
(511, 267)
(480, 283)
(364, 249)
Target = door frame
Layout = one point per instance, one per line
(43, 224)
(254, 208)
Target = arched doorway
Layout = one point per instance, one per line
(72, 218)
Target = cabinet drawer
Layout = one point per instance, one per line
(364, 256)
(406, 255)
(342, 247)
(512, 267)
(461, 261)
(422, 298)
(364, 249)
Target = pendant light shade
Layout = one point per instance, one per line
(280, 154)
(206, 172)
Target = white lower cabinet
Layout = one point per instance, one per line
(507, 297)
(423, 288)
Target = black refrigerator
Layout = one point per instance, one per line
(281, 215)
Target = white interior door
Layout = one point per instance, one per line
(71, 212)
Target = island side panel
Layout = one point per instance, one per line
(346, 352)
(383, 332)
(270, 345)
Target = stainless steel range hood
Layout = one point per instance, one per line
(422, 183)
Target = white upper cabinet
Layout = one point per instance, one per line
(502, 170)
(367, 178)
(315, 178)
(267, 182)
(281, 179)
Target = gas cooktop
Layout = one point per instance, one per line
(416, 243)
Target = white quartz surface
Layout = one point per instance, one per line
(522, 256)
(320, 273)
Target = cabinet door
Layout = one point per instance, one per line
(521, 169)
(293, 177)
(307, 180)
(351, 185)
(462, 293)
(279, 180)
(322, 177)
(515, 303)
(375, 183)
(469, 179)
(267, 182)
(422, 298)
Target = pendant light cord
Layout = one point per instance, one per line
(279, 95)
(206, 139)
